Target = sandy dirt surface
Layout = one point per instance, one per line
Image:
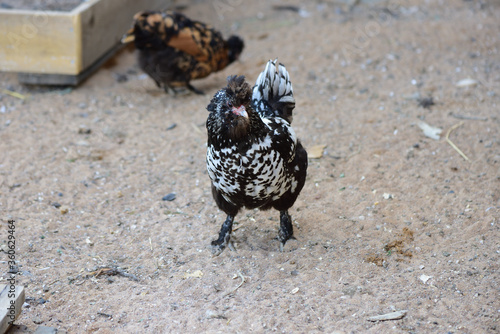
(389, 219)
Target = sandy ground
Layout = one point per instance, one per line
(389, 219)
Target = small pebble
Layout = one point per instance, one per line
(83, 130)
(211, 314)
(120, 77)
(466, 82)
(13, 269)
(426, 102)
(424, 278)
(65, 91)
(311, 76)
(388, 196)
(170, 197)
(446, 254)
(56, 205)
(82, 143)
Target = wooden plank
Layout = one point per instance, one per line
(105, 22)
(10, 311)
(66, 79)
(47, 47)
(35, 41)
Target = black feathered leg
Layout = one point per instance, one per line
(224, 236)
(286, 228)
(169, 90)
(194, 90)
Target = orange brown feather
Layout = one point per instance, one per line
(197, 49)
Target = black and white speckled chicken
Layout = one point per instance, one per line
(173, 49)
(254, 158)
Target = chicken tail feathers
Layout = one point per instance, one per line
(273, 94)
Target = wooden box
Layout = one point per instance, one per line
(63, 48)
(11, 302)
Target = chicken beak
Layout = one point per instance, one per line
(128, 37)
(240, 111)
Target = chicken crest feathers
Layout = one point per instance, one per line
(239, 88)
(273, 92)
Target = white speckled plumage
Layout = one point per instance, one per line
(255, 160)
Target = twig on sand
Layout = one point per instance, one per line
(196, 128)
(111, 272)
(80, 283)
(14, 94)
(353, 153)
(452, 144)
(472, 118)
(239, 285)
(388, 316)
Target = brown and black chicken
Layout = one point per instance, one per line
(173, 49)
(254, 158)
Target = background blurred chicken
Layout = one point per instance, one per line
(254, 158)
(173, 50)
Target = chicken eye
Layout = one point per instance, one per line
(229, 104)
